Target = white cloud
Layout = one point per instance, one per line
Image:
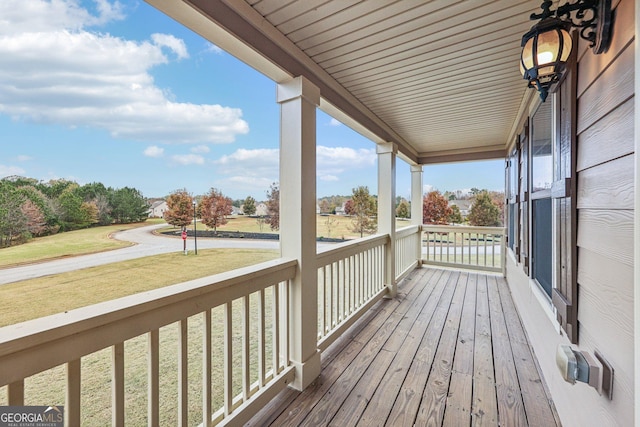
(173, 43)
(154, 151)
(213, 48)
(335, 122)
(333, 161)
(427, 188)
(10, 170)
(44, 16)
(240, 186)
(345, 156)
(248, 170)
(242, 155)
(201, 149)
(23, 158)
(187, 159)
(54, 71)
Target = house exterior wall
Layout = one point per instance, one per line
(605, 237)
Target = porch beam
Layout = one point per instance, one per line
(386, 208)
(298, 99)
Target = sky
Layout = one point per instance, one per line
(118, 93)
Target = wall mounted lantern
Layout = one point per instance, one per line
(547, 45)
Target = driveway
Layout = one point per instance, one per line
(146, 244)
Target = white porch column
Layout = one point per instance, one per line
(416, 205)
(386, 208)
(298, 99)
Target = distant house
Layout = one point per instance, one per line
(157, 209)
(464, 206)
(340, 209)
(261, 209)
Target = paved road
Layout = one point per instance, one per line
(146, 244)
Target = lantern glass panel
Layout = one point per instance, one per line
(548, 47)
(527, 54)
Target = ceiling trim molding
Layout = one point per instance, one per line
(462, 157)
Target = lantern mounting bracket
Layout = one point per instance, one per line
(592, 17)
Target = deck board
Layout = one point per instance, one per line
(448, 350)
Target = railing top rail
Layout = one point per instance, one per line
(407, 231)
(464, 229)
(346, 249)
(172, 302)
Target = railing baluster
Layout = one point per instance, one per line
(484, 252)
(276, 328)
(228, 359)
(183, 374)
(15, 393)
(343, 289)
(331, 298)
(117, 385)
(493, 252)
(287, 321)
(360, 276)
(325, 302)
(206, 369)
(153, 411)
(72, 404)
(262, 342)
(246, 361)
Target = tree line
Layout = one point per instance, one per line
(214, 207)
(487, 208)
(32, 208)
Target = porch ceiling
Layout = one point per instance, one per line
(438, 78)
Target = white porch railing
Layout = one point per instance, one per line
(238, 323)
(350, 281)
(407, 255)
(478, 248)
(252, 313)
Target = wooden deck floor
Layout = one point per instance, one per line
(449, 350)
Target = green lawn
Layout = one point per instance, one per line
(71, 243)
(39, 297)
(334, 226)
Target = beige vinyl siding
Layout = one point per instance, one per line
(605, 191)
(605, 163)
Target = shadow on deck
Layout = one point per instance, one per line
(449, 350)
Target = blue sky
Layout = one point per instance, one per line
(118, 93)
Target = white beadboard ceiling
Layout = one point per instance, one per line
(439, 78)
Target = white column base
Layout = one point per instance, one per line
(306, 372)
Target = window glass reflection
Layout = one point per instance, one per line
(541, 157)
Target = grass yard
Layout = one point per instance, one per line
(70, 243)
(333, 226)
(56, 293)
(48, 295)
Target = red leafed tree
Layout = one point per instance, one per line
(36, 222)
(179, 211)
(435, 208)
(214, 208)
(273, 206)
(348, 208)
